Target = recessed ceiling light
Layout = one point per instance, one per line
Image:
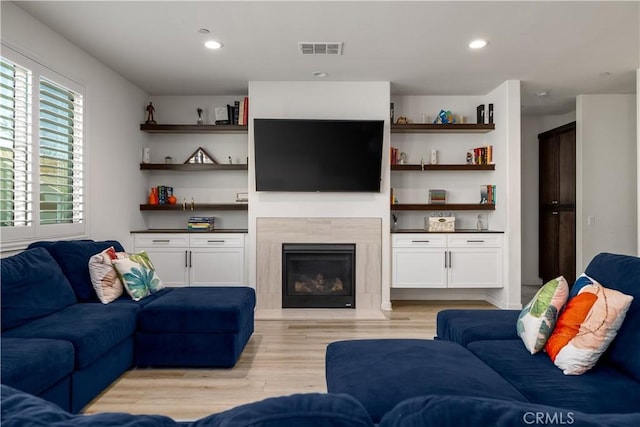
(204, 31)
(543, 92)
(478, 44)
(319, 74)
(212, 44)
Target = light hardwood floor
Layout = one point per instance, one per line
(281, 358)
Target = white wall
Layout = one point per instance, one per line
(321, 100)
(606, 176)
(638, 152)
(531, 127)
(114, 110)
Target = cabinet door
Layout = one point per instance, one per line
(170, 264)
(418, 268)
(168, 253)
(217, 266)
(475, 267)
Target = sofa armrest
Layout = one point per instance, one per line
(462, 411)
(466, 326)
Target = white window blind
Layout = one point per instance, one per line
(15, 146)
(42, 191)
(61, 165)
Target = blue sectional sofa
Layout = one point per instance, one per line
(20, 409)
(60, 343)
(477, 354)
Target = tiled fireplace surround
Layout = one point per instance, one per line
(366, 233)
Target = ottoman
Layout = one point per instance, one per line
(381, 373)
(195, 327)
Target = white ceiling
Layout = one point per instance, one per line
(419, 46)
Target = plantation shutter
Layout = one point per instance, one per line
(16, 209)
(61, 158)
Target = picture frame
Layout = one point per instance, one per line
(200, 156)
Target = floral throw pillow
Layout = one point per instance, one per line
(138, 275)
(538, 318)
(104, 276)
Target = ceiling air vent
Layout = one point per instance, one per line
(320, 48)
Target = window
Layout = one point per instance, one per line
(41, 153)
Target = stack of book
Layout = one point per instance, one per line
(437, 197)
(201, 223)
(236, 114)
(488, 194)
(480, 155)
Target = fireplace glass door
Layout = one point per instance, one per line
(318, 275)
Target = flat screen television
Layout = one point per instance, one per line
(318, 155)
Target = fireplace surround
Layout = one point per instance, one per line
(318, 275)
(364, 233)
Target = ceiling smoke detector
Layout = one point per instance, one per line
(320, 48)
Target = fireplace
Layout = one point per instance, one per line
(318, 275)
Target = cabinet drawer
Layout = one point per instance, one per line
(475, 240)
(217, 240)
(161, 240)
(419, 241)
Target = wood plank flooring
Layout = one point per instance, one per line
(281, 358)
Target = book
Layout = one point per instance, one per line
(490, 113)
(236, 112)
(221, 115)
(245, 111)
(437, 196)
(480, 114)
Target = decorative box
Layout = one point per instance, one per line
(440, 223)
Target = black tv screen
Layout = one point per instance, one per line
(318, 155)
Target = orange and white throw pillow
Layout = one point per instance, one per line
(586, 327)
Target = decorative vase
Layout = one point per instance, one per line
(153, 196)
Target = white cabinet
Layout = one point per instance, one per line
(207, 259)
(217, 259)
(457, 260)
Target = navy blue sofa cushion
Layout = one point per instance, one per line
(21, 409)
(33, 286)
(438, 411)
(73, 257)
(203, 310)
(381, 373)
(34, 365)
(622, 272)
(299, 410)
(603, 389)
(93, 329)
(466, 326)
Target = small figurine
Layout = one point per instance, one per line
(150, 111)
(402, 120)
(403, 158)
(199, 110)
(230, 160)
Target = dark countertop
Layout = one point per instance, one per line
(184, 230)
(460, 230)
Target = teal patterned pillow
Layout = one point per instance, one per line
(138, 275)
(538, 318)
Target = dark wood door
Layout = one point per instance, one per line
(557, 239)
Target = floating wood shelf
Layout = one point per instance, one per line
(197, 207)
(191, 166)
(443, 207)
(193, 128)
(448, 128)
(461, 167)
